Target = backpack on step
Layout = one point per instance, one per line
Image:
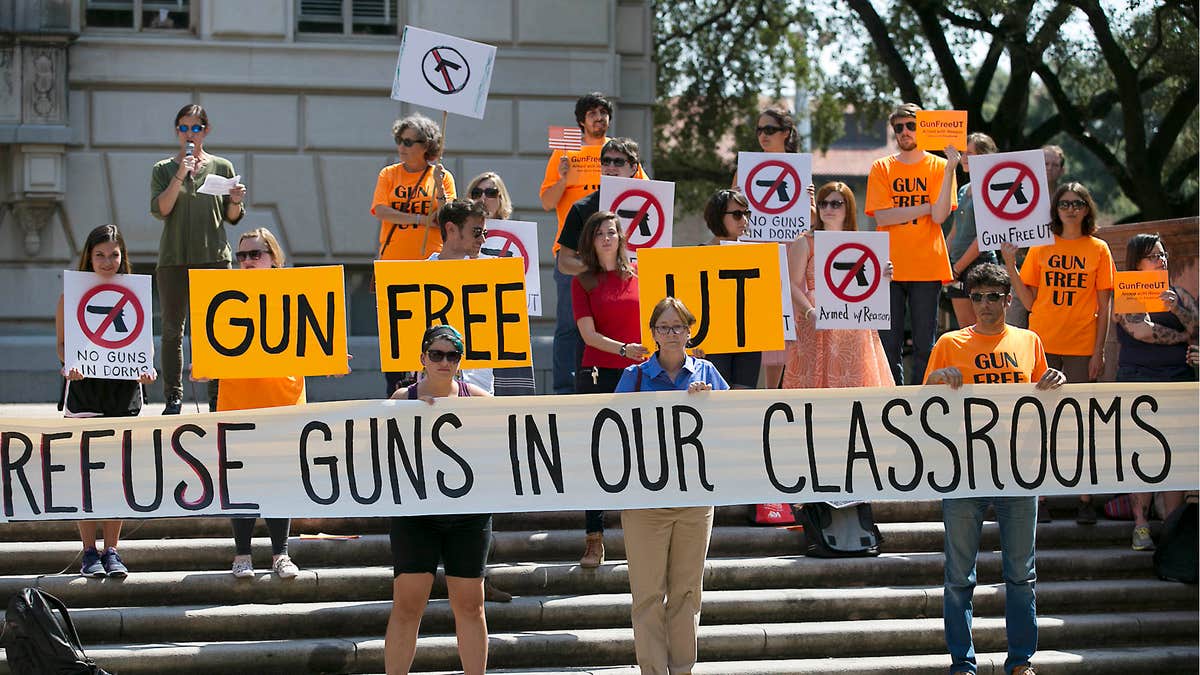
(39, 638)
(847, 532)
(1175, 558)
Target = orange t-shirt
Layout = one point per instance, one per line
(1067, 274)
(918, 248)
(582, 180)
(1014, 355)
(260, 392)
(408, 192)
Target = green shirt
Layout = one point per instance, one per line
(194, 231)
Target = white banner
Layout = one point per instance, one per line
(517, 239)
(776, 185)
(646, 209)
(610, 451)
(850, 288)
(1011, 199)
(443, 72)
(107, 325)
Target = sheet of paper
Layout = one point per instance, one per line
(218, 185)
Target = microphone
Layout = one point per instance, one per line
(191, 149)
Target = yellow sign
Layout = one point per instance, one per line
(732, 290)
(938, 128)
(268, 323)
(484, 299)
(1139, 292)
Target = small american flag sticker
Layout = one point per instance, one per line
(566, 138)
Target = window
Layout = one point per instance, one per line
(139, 15)
(347, 17)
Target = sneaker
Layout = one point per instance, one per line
(91, 567)
(493, 594)
(113, 566)
(243, 567)
(174, 406)
(1142, 541)
(1086, 515)
(284, 567)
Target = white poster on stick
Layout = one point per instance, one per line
(776, 185)
(517, 239)
(851, 288)
(646, 209)
(107, 325)
(443, 72)
(1011, 199)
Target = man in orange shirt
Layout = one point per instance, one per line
(910, 194)
(990, 352)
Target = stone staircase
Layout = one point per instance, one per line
(767, 609)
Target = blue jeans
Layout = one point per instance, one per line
(963, 519)
(566, 336)
(919, 299)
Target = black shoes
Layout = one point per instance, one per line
(174, 406)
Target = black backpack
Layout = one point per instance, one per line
(39, 638)
(847, 532)
(1175, 559)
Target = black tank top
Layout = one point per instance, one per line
(93, 396)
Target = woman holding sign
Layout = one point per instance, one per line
(962, 243)
(104, 255)
(726, 215)
(837, 357)
(459, 542)
(605, 300)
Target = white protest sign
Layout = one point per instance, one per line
(107, 325)
(785, 290)
(776, 185)
(443, 72)
(851, 289)
(517, 238)
(646, 209)
(1011, 198)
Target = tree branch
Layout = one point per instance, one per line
(1174, 180)
(948, 64)
(1172, 123)
(897, 68)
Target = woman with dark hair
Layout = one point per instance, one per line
(726, 215)
(104, 255)
(605, 301)
(1154, 349)
(193, 236)
(962, 243)
(838, 357)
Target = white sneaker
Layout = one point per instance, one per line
(284, 567)
(243, 567)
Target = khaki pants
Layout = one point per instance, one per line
(666, 550)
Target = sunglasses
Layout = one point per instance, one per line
(1071, 204)
(409, 142)
(254, 254)
(614, 161)
(990, 297)
(899, 127)
(195, 128)
(768, 130)
(831, 204)
(670, 330)
(738, 214)
(479, 232)
(436, 355)
(476, 193)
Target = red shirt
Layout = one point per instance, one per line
(613, 306)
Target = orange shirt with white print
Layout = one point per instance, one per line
(260, 392)
(1068, 274)
(918, 247)
(582, 180)
(1013, 355)
(409, 192)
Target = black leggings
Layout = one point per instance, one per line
(604, 382)
(243, 529)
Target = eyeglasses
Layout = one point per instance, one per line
(738, 214)
(409, 142)
(990, 297)
(1156, 256)
(899, 127)
(614, 161)
(670, 330)
(476, 193)
(253, 254)
(1071, 204)
(436, 355)
(479, 232)
(831, 204)
(195, 128)
(769, 130)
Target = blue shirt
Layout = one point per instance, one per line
(654, 378)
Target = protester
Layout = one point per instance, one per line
(193, 236)
(407, 195)
(910, 194)
(258, 249)
(1153, 348)
(970, 355)
(103, 254)
(726, 215)
(666, 547)
(571, 176)
(838, 357)
(619, 158)
(459, 542)
(962, 240)
(605, 302)
(489, 191)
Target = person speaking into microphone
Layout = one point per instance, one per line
(193, 236)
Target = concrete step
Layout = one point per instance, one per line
(211, 623)
(614, 646)
(533, 578)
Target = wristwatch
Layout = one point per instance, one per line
(622, 352)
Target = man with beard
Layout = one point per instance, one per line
(909, 194)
